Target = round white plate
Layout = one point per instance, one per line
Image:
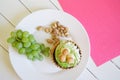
(46, 69)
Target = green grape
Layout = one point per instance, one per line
(29, 56)
(10, 40)
(46, 51)
(18, 39)
(25, 34)
(34, 53)
(18, 45)
(34, 46)
(26, 44)
(24, 39)
(19, 30)
(28, 50)
(39, 50)
(46, 54)
(21, 50)
(19, 34)
(31, 38)
(40, 57)
(13, 34)
(42, 47)
(34, 42)
(33, 59)
(14, 43)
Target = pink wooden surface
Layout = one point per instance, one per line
(101, 19)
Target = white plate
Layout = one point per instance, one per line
(46, 69)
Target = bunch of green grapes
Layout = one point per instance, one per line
(25, 43)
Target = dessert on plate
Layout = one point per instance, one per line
(66, 54)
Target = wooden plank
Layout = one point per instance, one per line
(56, 4)
(5, 29)
(34, 5)
(6, 70)
(86, 75)
(107, 71)
(116, 61)
(13, 10)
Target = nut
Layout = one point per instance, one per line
(56, 40)
(54, 31)
(54, 36)
(66, 29)
(54, 46)
(59, 28)
(50, 41)
(62, 35)
(46, 30)
(62, 58)
(62, 28)
(65, 52)
(70, 60)
(50, 30)
(66, 34)
(39, 28)
(61, 31)
(54, 24)
(70, 56)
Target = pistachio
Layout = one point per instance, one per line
(54, 31)
(39, 28)
(70, 56)
(70, 60)
(46, 30)
(66, 29)
(62, 58)
(54, 37)
(50, 30)
(62, 35)
(54, 24)
(50, 41)
(54, 46)
(66, 34)
(65, 52)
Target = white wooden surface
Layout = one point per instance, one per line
(12, 11)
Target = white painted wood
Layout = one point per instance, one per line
(13, 10)
(5, 29)
(6, 70)
(86, 75)
(107, 71)
(35, 5)
(56, 3)
(117, 61)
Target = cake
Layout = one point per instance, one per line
(66, 54)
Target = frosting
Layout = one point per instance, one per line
(67, 54)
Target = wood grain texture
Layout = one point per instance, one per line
(34, 5)
(86, 75)
(6, 70)
(13, 10)
(5, 29)
(116, 61)
(56, 4)
(107, 71)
